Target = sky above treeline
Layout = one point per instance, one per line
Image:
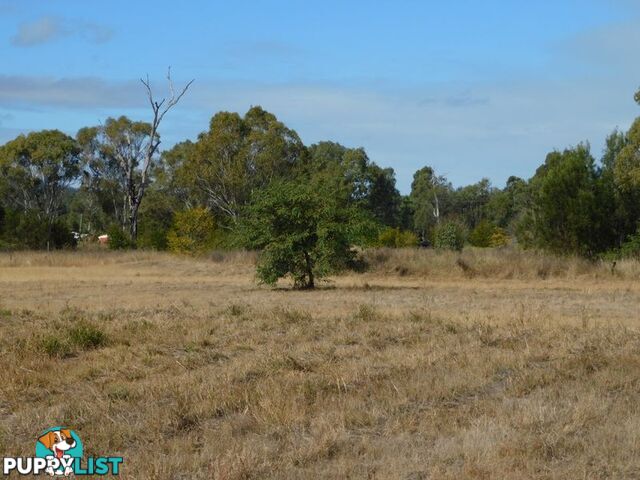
(473, 89)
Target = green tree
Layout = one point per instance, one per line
(369, 186)
(302, 230)
(614, 144)
(627, 164)
(505, 207)
(626, 210)
(469, 202)
(175, 180)
(38, 169)
(156, 218)
(239, 155)
(431, 199)
(118, 239)
(383, 199)
(571, 206)
(125, 151)
(120, 153)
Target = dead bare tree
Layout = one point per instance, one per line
(136, 189)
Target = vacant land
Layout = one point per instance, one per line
(427, 366)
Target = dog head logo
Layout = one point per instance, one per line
(62, 444)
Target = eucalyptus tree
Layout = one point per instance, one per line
(38, 170)
(124, 151)
(239, 155)
(627, 164)
(430, 198)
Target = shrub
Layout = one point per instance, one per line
(193, 232)
(118, 240)
(449, 236)
(152, 235)
(488, 235)
(396, 238)
(500, 238)
(156, 218)
(61, 236)
(26, 229)
(631, 247)
(481, 235)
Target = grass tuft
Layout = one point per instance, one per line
(87, 336)
(82, 335)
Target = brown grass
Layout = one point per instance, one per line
(504, 263)
(189, 370)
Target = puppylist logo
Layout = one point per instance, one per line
(59, 452)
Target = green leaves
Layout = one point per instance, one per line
(303, 232)
(368, 186)
(430, 198)
(571, 204)
(37, 170)
(238, 155)
(627, 164)
(193, 231)
(449, 236)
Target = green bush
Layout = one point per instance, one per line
(61, 236)
(193, 232)
(86, 336)
(156, 218)
(487, 234)
(449, 236)
(152, 235)
(631, 247)
(26, 229)
(500, 238)
(481, 235)
(396, 238)
(118, 240)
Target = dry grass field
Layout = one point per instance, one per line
(427, 366)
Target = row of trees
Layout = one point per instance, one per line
(249, 179)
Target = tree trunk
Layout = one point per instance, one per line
(49, 230)
(310, 283)
(133, 225)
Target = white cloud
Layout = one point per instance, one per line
(24, 91)
(48, 29)
(42, 30)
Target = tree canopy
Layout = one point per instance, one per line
(250, 181)
(238, 155)
(302, 232)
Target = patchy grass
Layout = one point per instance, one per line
(227, 380)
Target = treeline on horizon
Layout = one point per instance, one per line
(206, 194)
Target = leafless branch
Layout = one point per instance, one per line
(159, 110)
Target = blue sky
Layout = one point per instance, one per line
(474, 89)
